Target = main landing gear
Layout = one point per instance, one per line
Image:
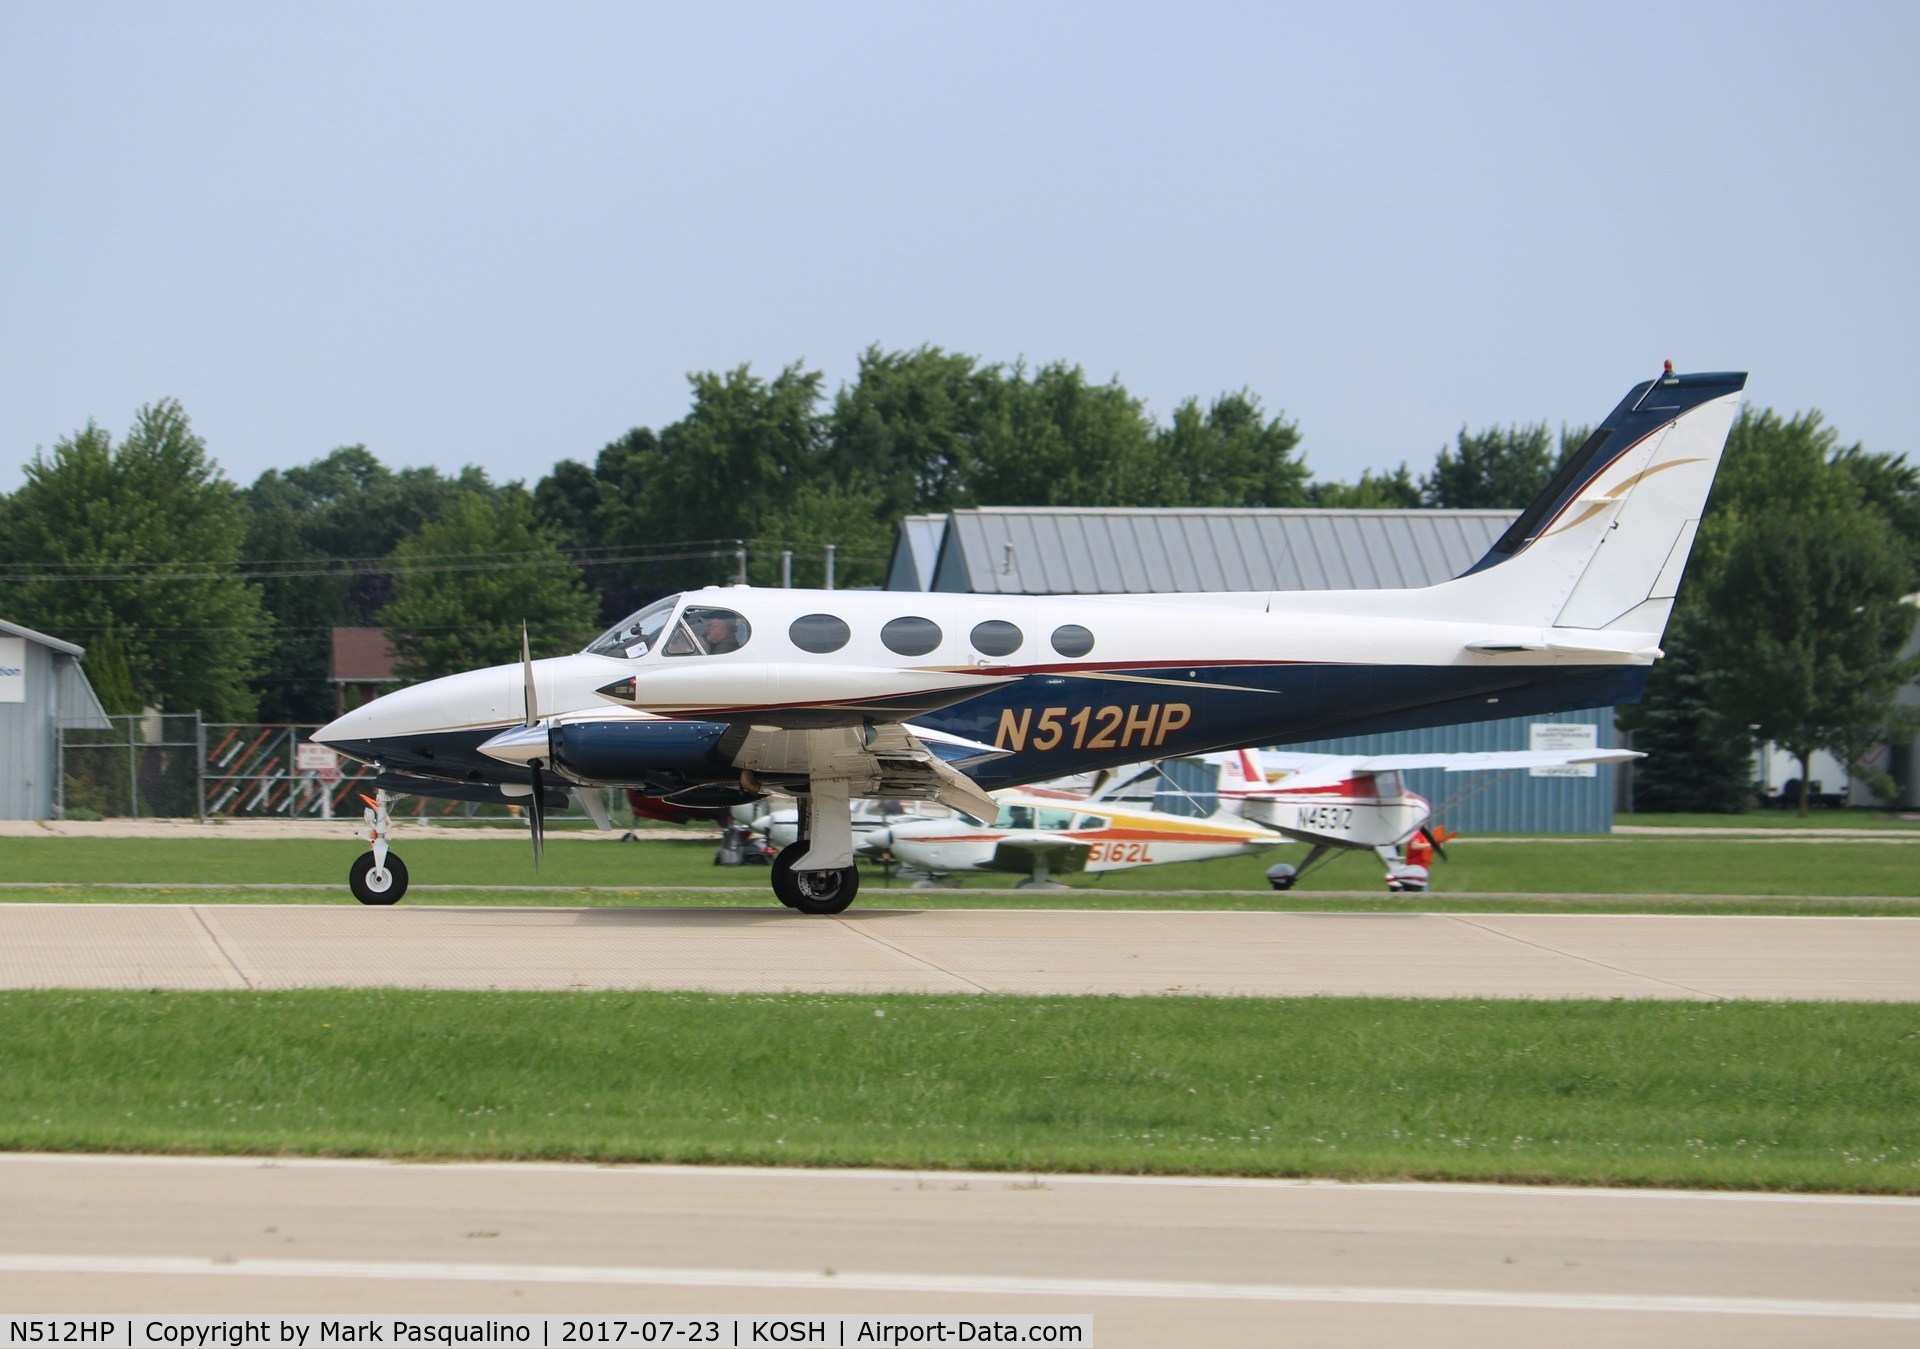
(378, 876)
(829, 891)
(826, 832)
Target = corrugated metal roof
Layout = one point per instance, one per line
(1043, 550)
(64, 648)
(916, 548)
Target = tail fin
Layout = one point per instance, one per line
(1602, 548)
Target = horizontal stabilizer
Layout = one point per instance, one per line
(1319, 770)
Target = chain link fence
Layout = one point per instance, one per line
(144, 765)
(254, 770)
(174, 766)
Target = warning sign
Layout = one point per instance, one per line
(318, 760)
(1563, 737)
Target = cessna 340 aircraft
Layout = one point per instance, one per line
(718, 696)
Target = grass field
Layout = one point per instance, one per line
(1745, 1095)
(1749, 1095)
(1616, 865)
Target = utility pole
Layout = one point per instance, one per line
(830, 566)
(786, 569)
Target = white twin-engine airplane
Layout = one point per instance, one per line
(721, 695)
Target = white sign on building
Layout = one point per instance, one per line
(1564, 737)
(13, 669)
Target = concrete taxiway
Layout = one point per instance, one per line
(1154, 1261)
(212, 946)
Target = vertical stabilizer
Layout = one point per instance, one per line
(1604, 545)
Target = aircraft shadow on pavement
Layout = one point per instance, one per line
(717, 918)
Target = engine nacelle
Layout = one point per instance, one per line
(655, 756)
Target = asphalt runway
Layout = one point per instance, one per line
(1154, 1261)
(870, 950)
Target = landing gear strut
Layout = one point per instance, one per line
(826, 836)
(378, 876)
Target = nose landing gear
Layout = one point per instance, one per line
(378, 876)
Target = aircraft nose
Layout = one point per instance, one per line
(347, 726)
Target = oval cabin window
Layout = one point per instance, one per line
(819, 633)
(996, 638)
(911, 636)
(1070, 639)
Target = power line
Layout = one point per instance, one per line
(388, 568)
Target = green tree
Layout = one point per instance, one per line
(602, 518)
(730, 461)
(1891, 485)
(676, 507)
(1501, 467)
(1807, 631)
(814, 515)
(464, 584)
(106, 667)
(141, 541)
(319, 536)
(1699, 757)
(911, 427)
(1382, 492)
(1231, 454)
(1055, 439)
(1792, 600)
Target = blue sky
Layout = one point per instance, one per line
(503, 234)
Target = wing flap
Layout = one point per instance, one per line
(888, 760)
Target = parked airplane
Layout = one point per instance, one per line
(831, 695)
(1337, 802)
(1040, 832)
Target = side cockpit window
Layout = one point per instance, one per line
(702, 631)
(636, 634)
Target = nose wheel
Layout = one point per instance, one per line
(373, 883)
(377, 876)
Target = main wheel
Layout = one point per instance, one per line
(374, 885)
(812, 891)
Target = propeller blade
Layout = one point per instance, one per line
(537, 811)
(526, 664)
(1439, 848)
(537, 804)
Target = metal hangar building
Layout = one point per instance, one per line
(42, 687)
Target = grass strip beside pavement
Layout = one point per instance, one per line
(1814, 1096)
(1598, 864)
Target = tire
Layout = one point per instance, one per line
(812, 891)
(372, 887)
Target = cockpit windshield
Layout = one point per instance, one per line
(637, 633)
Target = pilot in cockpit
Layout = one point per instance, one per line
(718, 635)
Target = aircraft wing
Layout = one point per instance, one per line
(1018, 852)
(1325, 770)
(879, 761)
